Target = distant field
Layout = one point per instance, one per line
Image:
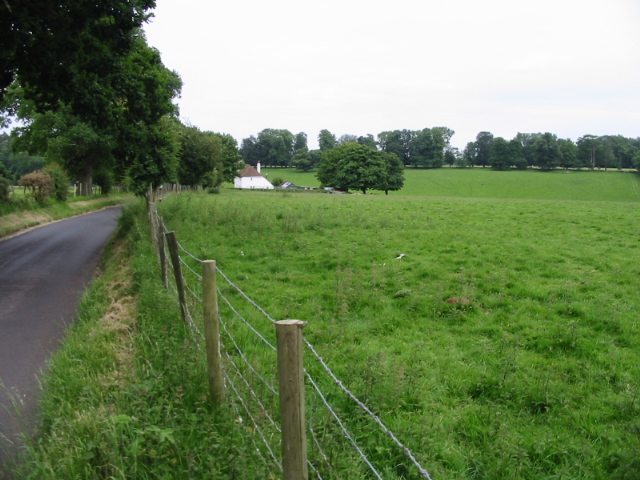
(503, 345)
(486, 183)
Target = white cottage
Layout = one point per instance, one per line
(250, 177)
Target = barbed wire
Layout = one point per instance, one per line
(228, 380)
(386, 430)
(260, 309)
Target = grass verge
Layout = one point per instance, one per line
(126, 395)
(21, 214)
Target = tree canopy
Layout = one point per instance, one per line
(352, 166)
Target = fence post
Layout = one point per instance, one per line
(163, 254)
(291, 390)
(153, 221)
(212, 331)
(177, 272)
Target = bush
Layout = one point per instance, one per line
(60, 181)
(4, 190)
(40, 185)
(277, 181)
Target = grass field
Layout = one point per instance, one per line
(503, 345)
(485, 183)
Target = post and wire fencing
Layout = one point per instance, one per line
(302, 420)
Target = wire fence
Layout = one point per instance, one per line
(344, 437)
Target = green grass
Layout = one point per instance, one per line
(531, 373)
(21, 213)
(503, 345)
(485, 183)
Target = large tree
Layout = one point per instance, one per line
(133, 139)
(326, 140)
(68, 51)
(351, 166)
(200, 156)
(427, 148)
(484, 148)
(546, 152)
(501, 154)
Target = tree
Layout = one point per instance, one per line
(231, 159)
(394, 179)
(517, 153)
(484, 148)
(351, 166)
(568, 153)
(348, 138)
(326, 140)
(368, 141)
(68, 52)
(469, 155)
(450, 155)
(399, 143)
(300, 144)
(501, 154)
(427, 148)
(132, 138)
(200, 154)
(546, 152)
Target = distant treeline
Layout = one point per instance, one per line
(431, 148)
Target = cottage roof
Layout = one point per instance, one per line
(249, 171)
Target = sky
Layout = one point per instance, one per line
(569, 67)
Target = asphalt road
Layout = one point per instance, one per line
(43, 274)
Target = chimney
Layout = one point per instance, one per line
(258, 167)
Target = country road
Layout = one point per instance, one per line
(43, 274)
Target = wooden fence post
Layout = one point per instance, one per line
(153, 222)
(291, 390)
(212, 332)
(177, 272)
(163, 254)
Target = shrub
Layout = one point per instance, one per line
(60, 181)
(40, 185)
(4, 190)
(277, 181)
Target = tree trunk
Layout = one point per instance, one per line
(86, 182)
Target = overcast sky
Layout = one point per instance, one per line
(570, 67)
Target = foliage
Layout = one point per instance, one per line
(326, 140)
(501, 155)
(483, 149)
(352, 166)
(70, 53)
(4, 189)
(39, 184)
(60, 181)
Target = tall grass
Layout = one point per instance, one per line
(503, 345)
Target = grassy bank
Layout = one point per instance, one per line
(25, 213)
(126, 396)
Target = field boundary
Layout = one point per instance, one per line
(253, 388)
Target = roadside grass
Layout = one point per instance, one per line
(126, 396)
(503, 345)
(610, 186)
(24, 212)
